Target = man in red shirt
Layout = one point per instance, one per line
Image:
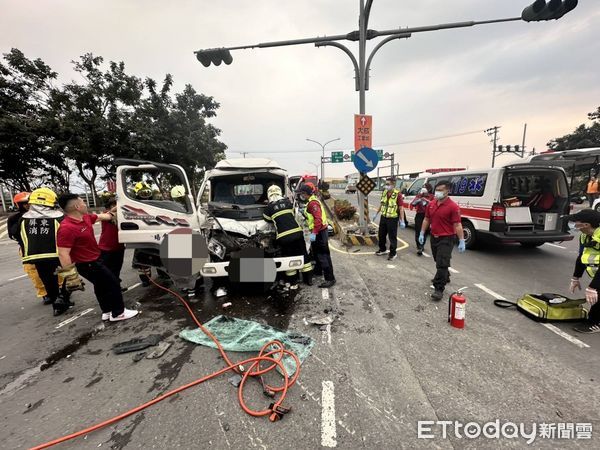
(420, 203)
(112, 251)
(78, 252)
(443, 217)
(316, 220)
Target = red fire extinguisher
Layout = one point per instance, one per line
(456, 309)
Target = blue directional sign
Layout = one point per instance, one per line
(365, 159)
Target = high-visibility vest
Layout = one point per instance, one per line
(389, 206)
(591, 251)
(39, 239)
(281, 213)
(310, 219)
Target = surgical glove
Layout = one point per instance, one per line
(575, 285)
(402, 224)
(461, 246)
(72, 280)
(422, 238)
(591, 295)
(313, 237)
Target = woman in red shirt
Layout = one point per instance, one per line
(420, 202)
(112, 251)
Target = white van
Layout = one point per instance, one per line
(515, 203)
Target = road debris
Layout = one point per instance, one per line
(138, 356)
(159, 350)
(321, 320)
(235, 380)
(221, 292)
(136, 344)
(226, 305)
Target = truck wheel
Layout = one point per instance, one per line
(470, 235)
(597, 208)
(531, 244)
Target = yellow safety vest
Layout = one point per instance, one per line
(389, 206)
(310, 220)
(591, 251)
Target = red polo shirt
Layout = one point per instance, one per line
(78, 235)
(109, 238)
(442, 217)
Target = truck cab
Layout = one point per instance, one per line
(227, 212)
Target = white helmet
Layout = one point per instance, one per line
(177, 192)
(274, 193)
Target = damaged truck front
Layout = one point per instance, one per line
(228, 214)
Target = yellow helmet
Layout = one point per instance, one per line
(177, 191)
(142, 190)
(43, 196)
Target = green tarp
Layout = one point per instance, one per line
(238, 335)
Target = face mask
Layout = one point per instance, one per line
(388, 187)
(439, 195)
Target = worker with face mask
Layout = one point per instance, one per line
(419, 203)
(290, 235)
(587, 222)
(392, 215)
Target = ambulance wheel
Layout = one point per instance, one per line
(470, 235)
(531, 244)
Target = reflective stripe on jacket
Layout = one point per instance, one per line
(39, 239)
(281, 213)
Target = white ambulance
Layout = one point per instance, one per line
(516, 203)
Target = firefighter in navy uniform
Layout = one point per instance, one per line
(290, 235)
(39, 226)
(316, 220)
(587, 222)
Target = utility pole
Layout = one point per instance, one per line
(493, 133)
(323, 154)
(524, 135)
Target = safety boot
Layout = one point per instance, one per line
(307, 278)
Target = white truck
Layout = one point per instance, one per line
(227, 212)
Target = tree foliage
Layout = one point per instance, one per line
(48, 133)
(583, 137)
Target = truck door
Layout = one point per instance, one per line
(152, 200)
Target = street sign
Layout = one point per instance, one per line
(365, 185)
(363, 132)
(365, 159)
(347, 157)
(337, 157)
(380, 154)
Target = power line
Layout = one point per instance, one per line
(415, 141)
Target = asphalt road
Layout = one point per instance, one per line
(389, 360)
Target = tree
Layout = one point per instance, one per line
(25, 89)
(583, 136)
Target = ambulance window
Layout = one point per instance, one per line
(416, 187)
(160, 187)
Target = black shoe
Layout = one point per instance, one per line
(381, 252)
(588, 329)
(46, 300)
(145, 280)
(307, 278)
(392, 257)
(59, 308)
(327, 284)
(419, 252)
(437, 295)
(124, 289)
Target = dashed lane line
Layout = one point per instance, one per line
(75, 317)
(556, 245)
(17, 278)
(453, 270)
(328, 425)
(551, 327)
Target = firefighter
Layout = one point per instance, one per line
(392, 214)
(420, 202)
(290, 235)
(316, 220)
(39, 226)
(587, 222)
(13, 224)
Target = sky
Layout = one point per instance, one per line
(434, 84)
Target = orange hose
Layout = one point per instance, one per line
(254, 370)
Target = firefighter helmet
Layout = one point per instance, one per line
(177, 192)
(43, 196)
(142, 191)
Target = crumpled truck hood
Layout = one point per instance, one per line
(246, 227)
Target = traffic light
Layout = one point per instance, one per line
(215, 56)
(552, 10)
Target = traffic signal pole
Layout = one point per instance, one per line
(539, 10)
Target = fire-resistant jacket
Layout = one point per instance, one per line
(589, 257)
(281, 213)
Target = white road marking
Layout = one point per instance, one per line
(4, 233)
(556, 245)
(489, 291)
(453, 270)
(17, 278)
(325, 293)
(328, 430)
(75, 317)
(391, 266)
(567, 336)
(133, 286)
(426, 255)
